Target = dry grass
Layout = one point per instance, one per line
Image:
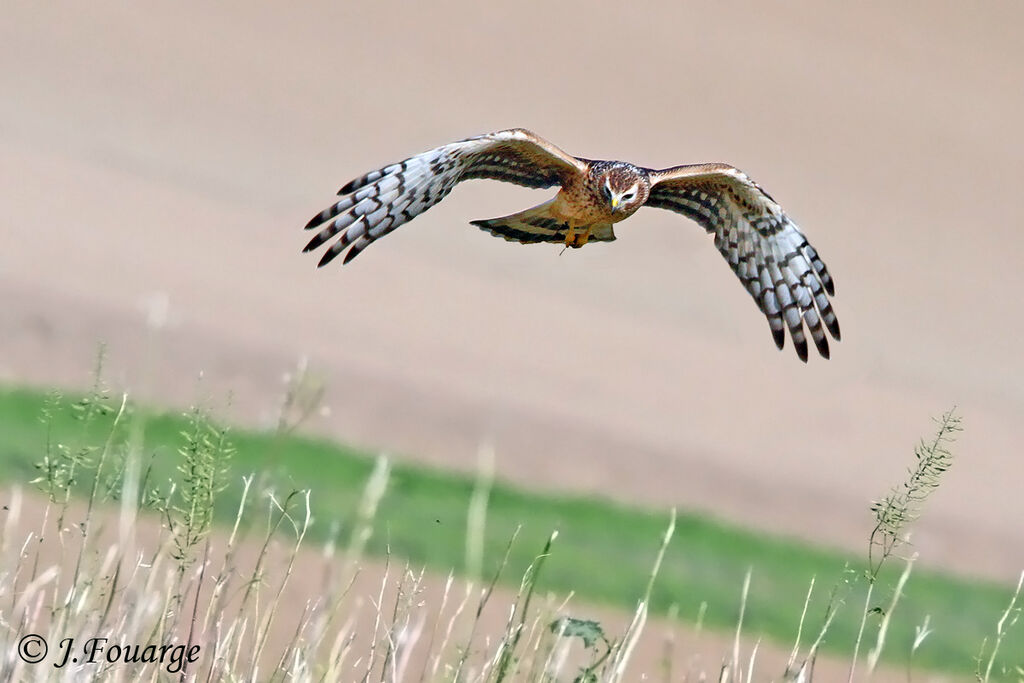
(177, 599)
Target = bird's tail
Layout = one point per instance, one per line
(538, 225)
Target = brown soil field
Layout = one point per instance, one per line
(155, 156)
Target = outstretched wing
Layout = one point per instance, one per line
(772, 258)
(378, 202)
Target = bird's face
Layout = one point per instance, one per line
(623, 190)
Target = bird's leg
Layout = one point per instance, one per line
(570, 233)
(581, 238)
(576, 239)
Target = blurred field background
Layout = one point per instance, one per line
(158, 164)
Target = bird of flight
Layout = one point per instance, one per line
(766, 250)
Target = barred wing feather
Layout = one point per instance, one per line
(766, 250)
(374, 204)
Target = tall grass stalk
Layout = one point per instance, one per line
(894, 514)
(158, 572)
(1007, 620)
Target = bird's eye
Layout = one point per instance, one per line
(607, 191)
(626, 197)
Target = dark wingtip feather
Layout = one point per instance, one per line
(834, 329)
(317, 240)
(830, 286)
(352, 253)
(801, 349)
(348, 187)
(823, 349)
(780, 338)
(328, 256)
(318, 219)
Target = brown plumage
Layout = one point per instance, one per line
(766, 250)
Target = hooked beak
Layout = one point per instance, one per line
(615, 203)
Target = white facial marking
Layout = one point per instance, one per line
(628, 195)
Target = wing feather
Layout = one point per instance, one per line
(376, 203)
(780, 270)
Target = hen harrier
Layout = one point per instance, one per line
(766, 250)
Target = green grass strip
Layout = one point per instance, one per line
(604, 550)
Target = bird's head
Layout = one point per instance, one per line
(624, 188)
